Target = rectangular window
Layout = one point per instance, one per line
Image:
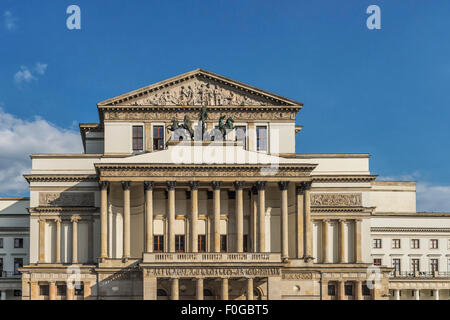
(138, 138)
(17, 293)
(434, 265)
(376, 243)
(1, 267)
(396, 264)
(395, 243)
(434, 244)
(43, 289)
(201, 243)
(241, 135)
(18, 243)
(245, 243)
(261, 138)
(365, 290)
(377, 262)
(79, 290)
(331, 289)
(158, 137)
(179, 243)
(158, 243)
(223, 243)
(1, 243)
(415, 244)
(61, 290)
(18, 263)
(348, 288)
(415, 265)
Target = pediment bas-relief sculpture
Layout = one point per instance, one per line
(199, 92)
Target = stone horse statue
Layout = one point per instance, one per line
(187, 125)
(224, 126)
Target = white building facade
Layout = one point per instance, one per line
(191, 189)
(14, 245)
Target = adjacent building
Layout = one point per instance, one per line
(190, 188)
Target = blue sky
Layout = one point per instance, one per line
(383, 92)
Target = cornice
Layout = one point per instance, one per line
(202, 170)
(344, 178)
(367, 210)
(61, 209)
(61, 178)
(409, 229)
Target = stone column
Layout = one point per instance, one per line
(126, 220)
(91, 240)
(58, 240)
(397, 294)
(261, 186)
(436, 294)
(74, 221)
(239, 210)
(174, 293)
(199, 289)
(341, 289)
(358, 244)
(70, 291)
(171, 194)
(216, 189)
(358, 290)
(299, 225)
(150, 287)
(104, 219)
(307, 220)
(250, 289)
(41, 240)
(224, 289)
(87, 290)
(325, 258)
(148, 190)
(52, 290)
(254, 219)
(284, 222)
(417, 294)
(342, 241)
(194, 218)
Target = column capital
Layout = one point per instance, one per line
(260, 185)
(342, 220)
(104, 185)
(193, 185)
(58, 219)
(148, 185)
(283, 185)
(238, 185)
(302, 187)
(75, 218)
(171, 185)
(126, 185)
(326, 220)
(216, 185)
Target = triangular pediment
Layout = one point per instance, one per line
(199, 88)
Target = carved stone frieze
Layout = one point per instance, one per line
(336, 199)
(214, 114)
(66, 199)
(297, 276)
(213, 272)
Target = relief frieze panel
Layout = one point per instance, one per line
(336, 199)
(213, 272)
(66, 199)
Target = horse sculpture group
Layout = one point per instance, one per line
(224, 126)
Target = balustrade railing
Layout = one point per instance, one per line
(211, 257)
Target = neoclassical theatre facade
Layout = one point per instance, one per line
(190, 188)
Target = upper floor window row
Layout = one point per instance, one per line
(18, 243)
(159, 137)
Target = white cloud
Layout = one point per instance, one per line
(20, 138)
(40, 68)
(10, 21)
(25, 75)
(433, 198)
(430, 197)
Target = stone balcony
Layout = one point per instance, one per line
(210, 257)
